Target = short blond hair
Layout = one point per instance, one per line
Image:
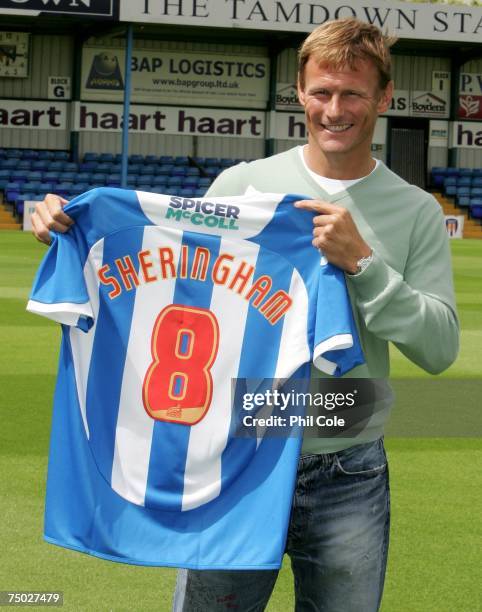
(344, 42)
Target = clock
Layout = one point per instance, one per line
(14, 52)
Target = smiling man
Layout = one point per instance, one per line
(389, 238)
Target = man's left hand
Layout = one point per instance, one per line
(336, 234)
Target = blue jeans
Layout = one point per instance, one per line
(337, 542)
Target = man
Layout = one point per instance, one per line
(389, 238)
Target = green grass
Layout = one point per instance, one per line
(435, 552)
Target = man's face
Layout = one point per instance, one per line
(341, 107)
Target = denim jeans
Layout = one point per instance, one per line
(337, 542)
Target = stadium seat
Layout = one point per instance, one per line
(104, 167)
(106, 157)
(67, 177)
(451, 191)
(475, 209)
(151, 159)
(71, 167)
(148, 169)
(462, 192)
(21, 176)
(99, 177)
(476, 192)
(56, 166)
(464, 181)
(463, 201)
(477, 181)
(165, 169)
(10, 163)
(181, 160)
(61, 156)
(166, 159)
(88, 166)
(45, 155)
(24, 164)
(40, 165)
(90, 157)
(174, 181)
(136, 159)
(52, 177)
(12, 190)
(35, 176)
(113, 180)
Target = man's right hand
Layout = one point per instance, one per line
(48, 216)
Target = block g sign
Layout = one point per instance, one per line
(100, 8)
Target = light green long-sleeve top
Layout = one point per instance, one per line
(405, 296)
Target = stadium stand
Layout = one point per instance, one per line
(459, 191)
(27, 174)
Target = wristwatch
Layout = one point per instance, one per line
(362, 264)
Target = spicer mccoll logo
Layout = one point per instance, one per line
(201, 212)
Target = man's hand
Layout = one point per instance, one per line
(336, 234)
(48, 216)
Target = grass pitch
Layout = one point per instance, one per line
(435, 552)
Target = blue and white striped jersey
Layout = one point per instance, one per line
(163, 302)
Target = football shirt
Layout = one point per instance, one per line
(164, 301)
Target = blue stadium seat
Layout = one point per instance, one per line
(56, 166)
(477, 182)
(181, 160)
(35, 176)
(159, 180)
(464, 181)
(199, 193)
(166, 159)
(71, 167)
(40, 165)
(45, 155)
(144, 187)
(106, 157)
(52, 176)
(46, 187)
(12, 190)
(192, 171)
(24, 164)
(462, 192)
(67, 177)
(211, 161)
(76, 190)
(90, 156)
(32, 186)
(21, 176)
(134, 168)
(165, 169)
(186, 192)
(99, 177)
(174, 181)
(475, 209)
(191, 182)
(476, 192)
(104, 167)
(136, 159)
(451, 191)
(113, 180)
(151, 159)
(87, 166)
(204, 182)
(61, 156)
(149, 169)
(5, 174)
(10, 163)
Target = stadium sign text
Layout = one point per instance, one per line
(406, 20)
(86, 8)
(33, 115)
(170, 120)
(208, 79)
(466, 135)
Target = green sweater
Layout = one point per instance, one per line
(406, 294)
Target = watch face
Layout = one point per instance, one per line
(14, 51)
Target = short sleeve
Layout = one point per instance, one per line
(59, 291)
(336, 347)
